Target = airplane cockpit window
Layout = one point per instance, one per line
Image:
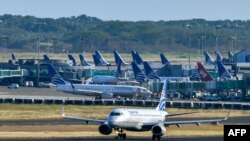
(115, 114)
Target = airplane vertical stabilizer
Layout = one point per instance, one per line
(208, 59)
(101, 58)
(83, 61)
(136, 57)
(218, 56)
(162, 105)
(45, 57)
(203, 73)
(164, 60)
(118, 58)
(223, 72)
(149, 71)
(71, 57)
(139, 76)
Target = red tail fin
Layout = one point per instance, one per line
(204, 75)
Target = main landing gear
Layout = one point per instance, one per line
(120, 134)
(156, 137)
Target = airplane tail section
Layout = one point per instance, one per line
(223, 72)
(56, 79)
(136, 57)
(218, 56)
(83, 61)
(230, 56)
(13, 57)
(164, 60)
(118, 58)
(45, 57)
(203, 73)
(101, 58)
(71, 57)
(139, 76)
(162, 105)
(150, 72)
(208, 59)
(118, 70)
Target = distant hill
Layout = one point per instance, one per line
(75, 34)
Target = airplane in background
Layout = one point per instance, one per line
(98, 91)
(72, 58)
(138, 120)
(208, 59)
(139, 75)
(203, 73)
(84, 61)
(99, 59)
(136, 57)
(118, 58)
(13, 58)
(46, 57)
(223, 72)
(218, 56)
(150, 73)
(164, 60)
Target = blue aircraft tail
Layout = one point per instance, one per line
(139, 76)
(230, 56)
(118, 58)
(223, 72)
(13, 57)
(101, 58)
(208, 59)
(136, 57)
(71, 57)
(118, 70)
(56, 79)
(162, 105)
(150, 72)
(83, 61)
(164, 60)
(45, 57)
(218, 56)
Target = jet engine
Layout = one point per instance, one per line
(158, 130)
(105, 129)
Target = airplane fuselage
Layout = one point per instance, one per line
(136, 119)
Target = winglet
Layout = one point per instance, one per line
(62, 112)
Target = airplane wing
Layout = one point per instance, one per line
(179, 114)
(87, 120)
(197, 122)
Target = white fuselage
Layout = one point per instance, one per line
(104, 79)
(116, 90)
(136, 119)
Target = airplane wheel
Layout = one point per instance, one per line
(124, 136)
(153, 137)
(159, 138)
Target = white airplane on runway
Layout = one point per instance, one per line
(100, 91)
(140, 120)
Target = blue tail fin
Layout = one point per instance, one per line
(45, 57)
(118, 70)
(101, 58)
(136, 57)
(56, 79)
(208, 59)
(83, 61)
(97, 62)
(218, 56)
(118, 58)
(223, 73)
(150, 72)
(13, 57)
(164, 60)
(162, 105)
(73, 59)
(139, 76)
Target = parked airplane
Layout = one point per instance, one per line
(150, 73)
(164, 60)
(136, 57)
(99, 91)
(218, 56)
(99, 59)
(203, 74)
(138, 120)
(72, 58)
(13, 58)
(45, 57)
(118, 58)
(139, 75)
(208, 59)
(84, 61)
(223, 72)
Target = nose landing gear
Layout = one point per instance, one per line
(120, 134)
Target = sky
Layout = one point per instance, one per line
(131, 10)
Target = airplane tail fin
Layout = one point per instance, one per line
(218, 56)
(203, 73)
(118, 70)
(162, 105)
(118, 58)
(71, 57)
(13, 57)
(45, 57)
(101, 58)
(136, 57)
(56, 79)
(223, 72)
(83, 61)
(150, 72)
(139, 76)
(208, 59)
(97, 62)
(164, 60)
(230, 56)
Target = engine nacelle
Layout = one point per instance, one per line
(158, 130)
(105, 129)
